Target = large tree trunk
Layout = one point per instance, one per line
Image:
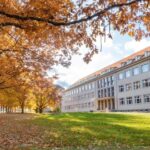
(22, 110)
(40, 110)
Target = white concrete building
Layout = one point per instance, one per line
(122, 86)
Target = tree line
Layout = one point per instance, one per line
(35, 36)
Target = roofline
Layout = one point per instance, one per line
(95, 74)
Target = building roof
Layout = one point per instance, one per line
(114, 65)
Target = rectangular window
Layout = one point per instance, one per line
(137, 85)
(86, 87)
(112, 91)
(129, 100)
(98, 83)
(99, 94)
(147, 98)
(90, 87)
(102, 93)
(136, 71)
(109, 93)
(93, 85)
(128, 73)
(109, 81)
(105, 82)
(102, 83)
(121, 76)
(122, 101)
(112, 80)
(137, 99)
(128, 87)
(121, 88)
(105, 92)
(146, 83)
(145, 68)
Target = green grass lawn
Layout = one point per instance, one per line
(75, 131)
(96, 130)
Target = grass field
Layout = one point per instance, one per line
(71, 131)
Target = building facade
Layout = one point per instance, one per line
(122, 86)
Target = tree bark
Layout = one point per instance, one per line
(22, 110)
(40, 110)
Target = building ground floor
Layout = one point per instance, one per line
(107, 104)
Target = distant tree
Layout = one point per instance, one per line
(36, 35)
(45, 94)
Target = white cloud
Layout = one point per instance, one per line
(135, 46)
(112, 51)
(79, 69)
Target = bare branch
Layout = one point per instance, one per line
(55, 23)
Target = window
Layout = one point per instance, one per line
(112, 91)
(122, 101)
(147, 98)
(105, 92)
(136, 71)
(137, 99)
(128, 73)
(108, 81)
(105, 82)
(146, 83)
(102, 93)
(147, 53)
(121, 76)
(89, 86)
(109, 93)
(129, 61)
(121, 88)
(82, 88)
(98, 83)
(102, 83)
(86, 87)
(128, 87)
(145, 68)
(129, 100)
(136, 85)
(93, 85)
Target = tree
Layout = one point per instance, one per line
(45, 93)
(36, 35)
(63, 26)
(8, 102)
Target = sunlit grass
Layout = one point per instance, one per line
(97, 130)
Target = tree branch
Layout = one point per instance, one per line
(11, 24)
(55, 23)
(6, 87)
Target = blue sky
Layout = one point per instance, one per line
(117, 48)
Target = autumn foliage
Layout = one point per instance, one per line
(36, 35)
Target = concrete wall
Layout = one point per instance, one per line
(134, 92)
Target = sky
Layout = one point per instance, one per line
(113, 50)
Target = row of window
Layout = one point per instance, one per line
(81, 89)
(135, 99)
(136, 85)
(146, 54)
(107, 92)
(78, 106)
(80, 97)
(135, 71)
(108, 81)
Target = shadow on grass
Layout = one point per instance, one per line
(92, 130)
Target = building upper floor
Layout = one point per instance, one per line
(103, 82)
